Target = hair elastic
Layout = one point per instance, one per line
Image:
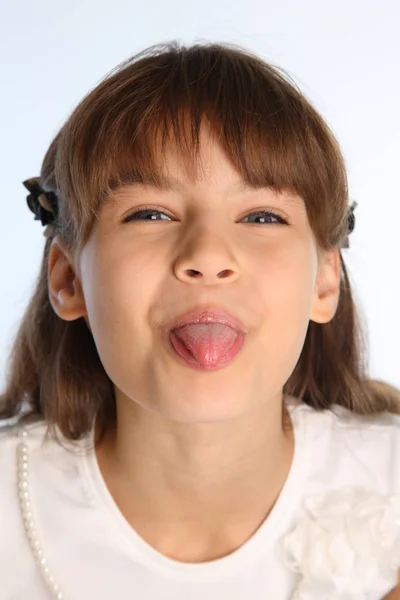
(43, 204)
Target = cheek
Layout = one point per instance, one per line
(118, 293)
(286, 279)
(286, 290)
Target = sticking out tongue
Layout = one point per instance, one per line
(206, 343)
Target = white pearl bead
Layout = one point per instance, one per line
(27, 516)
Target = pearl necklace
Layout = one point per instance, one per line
(27, 515)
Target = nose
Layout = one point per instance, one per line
(206, 258)
(193, 274)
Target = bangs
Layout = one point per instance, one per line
(272, 135)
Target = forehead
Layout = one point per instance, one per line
(133, 182)
(207, 167)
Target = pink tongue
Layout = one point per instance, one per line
(208, 342)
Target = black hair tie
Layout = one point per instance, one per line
(351, 221)
(44, 205)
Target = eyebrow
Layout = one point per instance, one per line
(166, 183)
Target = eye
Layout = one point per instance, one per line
(267, 214)
(148, 214)
(136, 216)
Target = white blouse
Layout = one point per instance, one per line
(334, 531)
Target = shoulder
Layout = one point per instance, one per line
(361, 448)
(346, 422)
(367, 426)
(13, 547)
(10, 439)
(11, 436)
(8, 446)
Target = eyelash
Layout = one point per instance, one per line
(149, 210)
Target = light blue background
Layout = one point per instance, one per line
(345, 55)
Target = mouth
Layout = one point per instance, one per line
(207, 314)
(206, 347)
(205, 338)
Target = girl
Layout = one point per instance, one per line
(190, 411)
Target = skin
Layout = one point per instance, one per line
(197, 459)
(395, 592)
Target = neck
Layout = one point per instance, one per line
(211, 483)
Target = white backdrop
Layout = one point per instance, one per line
(345, 55)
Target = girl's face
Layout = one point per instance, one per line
(137, 274)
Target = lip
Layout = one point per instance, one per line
(207, 314)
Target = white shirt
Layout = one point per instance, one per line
(93, 552)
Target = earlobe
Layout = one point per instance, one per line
(65, 290)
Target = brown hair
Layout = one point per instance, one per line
(272, 134)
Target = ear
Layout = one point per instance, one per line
(327, 287)
(65, 291)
